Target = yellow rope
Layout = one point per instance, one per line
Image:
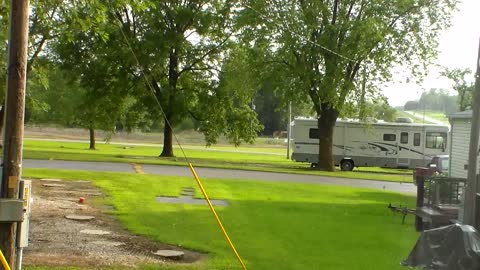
(216, 216)
(4, 261)
(152, 91)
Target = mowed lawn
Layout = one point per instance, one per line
(246, 158)
(273, 225)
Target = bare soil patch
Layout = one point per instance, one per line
(57, 241)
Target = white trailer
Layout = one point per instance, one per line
(356, 144)
(461, 123)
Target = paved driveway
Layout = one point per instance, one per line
(219, 173)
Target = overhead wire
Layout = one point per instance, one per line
(286, 28)
(189, 164)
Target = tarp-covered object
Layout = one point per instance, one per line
(453, 247)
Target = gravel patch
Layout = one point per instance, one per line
(56, 241)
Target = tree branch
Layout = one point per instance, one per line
(35, 54)
(196, 117)
(335, 12)
(200, 59)
(283, 62)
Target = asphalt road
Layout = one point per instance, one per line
(219, 173)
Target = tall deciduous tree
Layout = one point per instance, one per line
(180, 47)
(324, 45)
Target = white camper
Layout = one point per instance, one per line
(356, 144)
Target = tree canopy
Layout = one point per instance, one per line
(323, 45)
(463, 85)
(151, 53)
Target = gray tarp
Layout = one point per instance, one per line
(453, 247)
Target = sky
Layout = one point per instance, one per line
(458, 48)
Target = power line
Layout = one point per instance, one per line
(285, 28)
(195, 176)
(152, 90)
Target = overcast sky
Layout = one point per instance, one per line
(458, 48)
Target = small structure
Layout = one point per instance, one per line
(439, 200)
(461, 124)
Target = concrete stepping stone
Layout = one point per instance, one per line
(188, 192)
(53, 185)
(170, 254)
(73, 207)
(79, 217)
(186, 197)
(108, 243)
(81, 181)
(95, 232)
(51, 180)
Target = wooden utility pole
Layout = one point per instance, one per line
(14, 118)
(471, 187)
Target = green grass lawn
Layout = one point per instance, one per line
(262, 159)
(273, 225)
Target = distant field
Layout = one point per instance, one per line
(437, 115)
(417, 117)
(189, 137)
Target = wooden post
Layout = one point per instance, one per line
(420, 198)
(14, 118)
(420, 174)
(471, 185)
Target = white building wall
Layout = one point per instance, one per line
(460, 146)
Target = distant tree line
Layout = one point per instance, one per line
(441, 100)
(434, 100)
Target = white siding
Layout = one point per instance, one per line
(460, 147)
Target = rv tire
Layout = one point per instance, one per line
(346, 165)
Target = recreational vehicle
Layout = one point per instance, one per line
(356, 144)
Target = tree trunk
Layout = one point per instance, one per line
(326, 124)
(2, 122)
(92, 139)
(173, 75)
(167, 141)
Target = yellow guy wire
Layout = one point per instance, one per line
(225, 234)
(216, 216)
(4, 261)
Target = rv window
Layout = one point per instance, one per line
(436, 140)
(404, 137)
(416, 139)
(313, 133)
(389, 137)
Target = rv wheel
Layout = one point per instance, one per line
(346, 165)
